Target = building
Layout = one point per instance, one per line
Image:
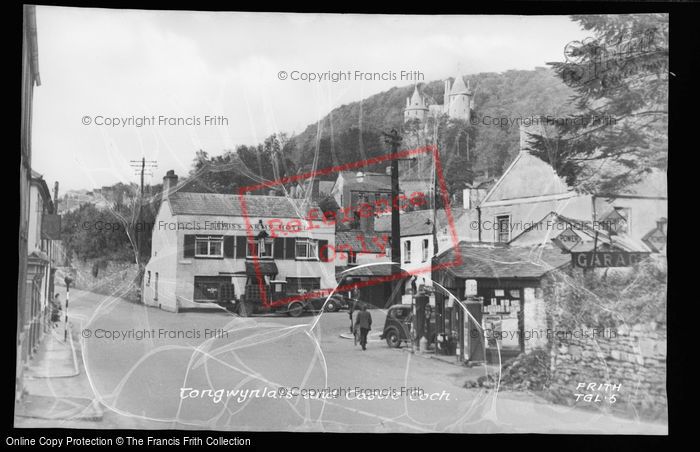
(362, 256)
(458, 101)
(358, 247)
(639, 211)
(417, 239)
(203, 248)
(527, 191)
(509, 283)
(354, 188)
(530, 189)
(530, 222)
(30, 79)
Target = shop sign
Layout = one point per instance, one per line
(567, 240)
(604, 259)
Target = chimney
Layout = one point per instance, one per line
(524, 137)
(661, 224)
(169, 183)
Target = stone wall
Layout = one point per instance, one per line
(107, 278)
(630, 360)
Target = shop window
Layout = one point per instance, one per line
(206, 290)
(407, 252)
(503, 228)
(213, 289)
(209, 246)
(306, 249)
(426, 243)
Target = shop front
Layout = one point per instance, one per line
(496, 298)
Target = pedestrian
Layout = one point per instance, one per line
(363, 322)
(56, 309)
(353, 307)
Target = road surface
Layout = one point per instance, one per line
(214, 370)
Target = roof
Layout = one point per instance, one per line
(500, 262)
(458, 87)
(360, 241)
(547, 230)
(416, 102)
(417, 222)
(528, 176)
(652, 185)
(183, 203)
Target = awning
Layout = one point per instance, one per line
(263, 268)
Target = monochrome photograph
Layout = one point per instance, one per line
(341, 223)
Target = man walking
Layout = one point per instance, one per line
(363, 321)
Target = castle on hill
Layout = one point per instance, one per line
(457, 103)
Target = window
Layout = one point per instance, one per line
(209, 246)
(426, 243)
(407, 252)
(503, 228)
(148, 278)
(306, 249)
(352, 258)
(213, 289)
(206, 290)
(155, 296)
(261, 248)
(399, 313)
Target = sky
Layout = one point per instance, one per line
(188, 67)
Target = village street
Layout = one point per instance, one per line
(139, 380)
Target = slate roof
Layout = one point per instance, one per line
(500, 262)
(355, 240)
(183, 203)
(623, 242)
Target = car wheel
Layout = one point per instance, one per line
(392, 339)
(295, 309)
(331, 306)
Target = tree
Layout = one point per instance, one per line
(620, 79)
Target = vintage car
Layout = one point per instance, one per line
(275, 291)
(399, 323)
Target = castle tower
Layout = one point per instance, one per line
(460, 99)
(415, 107)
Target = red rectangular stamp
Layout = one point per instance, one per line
(346, 219)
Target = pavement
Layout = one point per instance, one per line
(151, 369)
(53, 387)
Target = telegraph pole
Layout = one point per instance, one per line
(393, 139)
(141, 167)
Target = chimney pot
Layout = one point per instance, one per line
(169, 182)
